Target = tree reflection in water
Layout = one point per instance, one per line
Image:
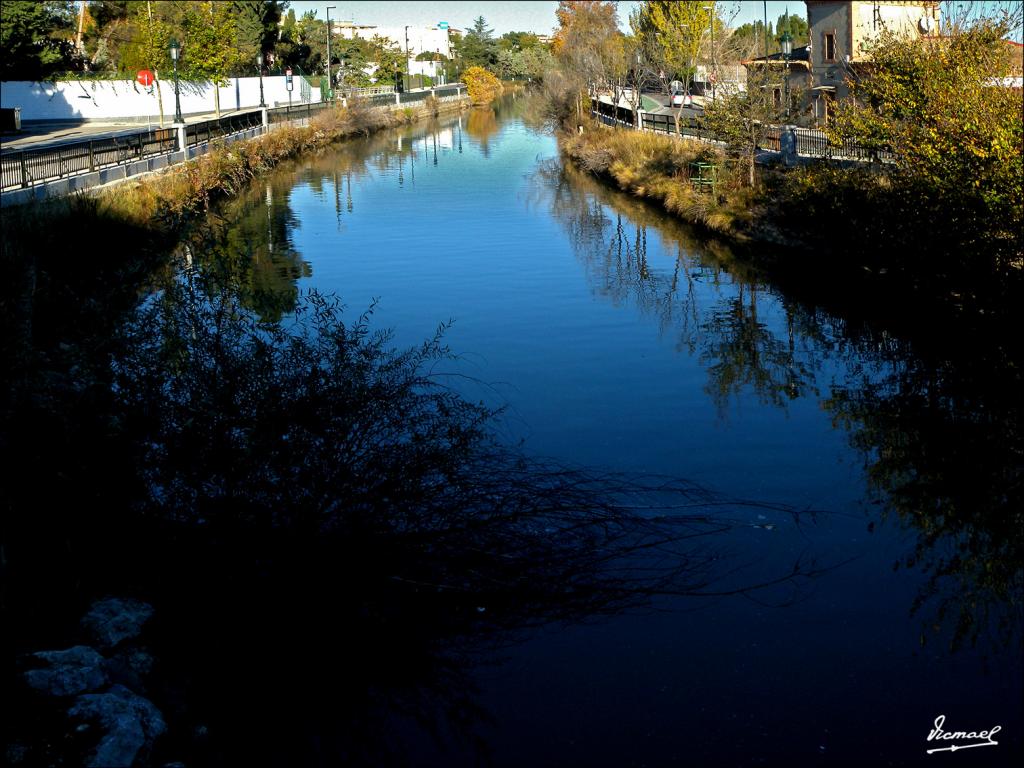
(937, 420)
(354, 535)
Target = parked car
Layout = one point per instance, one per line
(680, 99)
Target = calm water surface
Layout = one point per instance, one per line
(620, 339)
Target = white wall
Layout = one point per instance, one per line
(112, 99)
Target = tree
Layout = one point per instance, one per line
(588, 46)
(671, 35)
(518, 41)
(955, 132)
(389, 58)
(209, 50)
(31, 40)
(478, 48)
(482, 85)
(797, 28)
(248, 16)
(149, 46)
(743, 119)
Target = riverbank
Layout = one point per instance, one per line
(851, 223)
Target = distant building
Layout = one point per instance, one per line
(415, 40)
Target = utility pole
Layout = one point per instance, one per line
(408, 75)
(330, 83)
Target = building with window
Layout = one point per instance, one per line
(841, 35)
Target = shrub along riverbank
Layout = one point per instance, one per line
(854, 222)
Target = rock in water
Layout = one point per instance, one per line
(130, 723)
(113, 620)
(68, 673)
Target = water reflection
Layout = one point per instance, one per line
(246, 251)
(482, 125)
(355, 538)
(937, 425)
(738, 350)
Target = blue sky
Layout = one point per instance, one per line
(519, 16)
(539, 15)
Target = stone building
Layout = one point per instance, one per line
(841, 35)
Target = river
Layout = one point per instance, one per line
(619, 338)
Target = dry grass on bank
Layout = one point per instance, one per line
(658, 168)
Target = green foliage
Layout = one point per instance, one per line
(477, 48)
(743, 119)
(956, 135)
(518, 41)
(389, 58)
(209, 51)
(31, 40)
(671, 34)
(149, 46)
(531, 63)
(249, 29)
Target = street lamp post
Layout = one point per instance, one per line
(787, 49)
(175, 54)
(408, 74)
(259, 67)
(330, 83)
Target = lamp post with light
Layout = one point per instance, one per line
(787, 50)
(175, 55)
(259, 66)
(330, 83)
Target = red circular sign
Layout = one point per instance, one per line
(145, 77)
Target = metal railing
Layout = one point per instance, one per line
(26, 168)
(810, 142)
(296, 112)
(207, 130)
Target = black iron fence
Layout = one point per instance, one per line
(26, 168)
(296, 112)
(29, 167)
(197, 133)
(810, 142)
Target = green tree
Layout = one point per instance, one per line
(209, 51)
(389, 58)
(743, 119)
(249, 29)
(955, 132)
(32, 39)
(478, 48)
(518, 41)
(148, 46)
(797, 28)
(671, 35)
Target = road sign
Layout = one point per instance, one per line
(288, 79)
(145, 77)
(442, 25)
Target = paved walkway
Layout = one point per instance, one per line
(39, 135)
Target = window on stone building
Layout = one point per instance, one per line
(829, 47)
